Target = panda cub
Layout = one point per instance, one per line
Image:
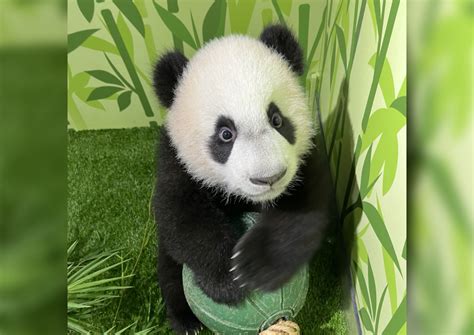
(238, 138)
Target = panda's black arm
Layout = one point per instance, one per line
(192, 229)
(287, 236)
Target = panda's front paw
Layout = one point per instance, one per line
(223, 290)
(259, 261)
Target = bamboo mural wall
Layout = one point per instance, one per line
(356, 84)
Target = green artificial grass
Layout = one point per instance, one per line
(110, 178)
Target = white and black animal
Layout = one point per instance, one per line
(238, 137)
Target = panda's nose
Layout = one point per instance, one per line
(268, 180)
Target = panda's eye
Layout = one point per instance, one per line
(226, 134)
(276, 120)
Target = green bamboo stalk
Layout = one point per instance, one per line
(315, 43)
(355, 35)
(120, 44)
(278, 11)
(379, 62)
(370, 100)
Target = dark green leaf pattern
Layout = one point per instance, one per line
(74, 40)
(105, 77)
(124, 100)
(103, 92)
(87, 8)
(130, 11)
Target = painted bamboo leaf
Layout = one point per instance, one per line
(99, 44)
(364, 315)
(380, 230)
(150, 43)
(399, 318)
(342, 45)
(385, 81)
(316, 40)
(138, 87)
(124, 100)
(380, 61)
(378, 16)
(213, 25)
(130, 11)
(372, 289)
(142, 9)
(78, 81)
(126, 35)
(240, 15)
(364, 180)
(117, 72)
(332, 74)
(362, 284)
(379, 309)
(356, 32)
(84, 94)
(105, 77)
(404, 252)
(390, 278)
(87, 8)
(386, 123)
(103, 92)
(403, 88)
(303, 28)
(400, 104)
(74, 40)
(175, 25)
(362, 251)
(77, 85)
(196, 35)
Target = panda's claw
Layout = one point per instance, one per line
(233, 268)
(236, 278)
(235, 255)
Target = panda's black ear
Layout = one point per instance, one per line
(282, 40)
(166, 74)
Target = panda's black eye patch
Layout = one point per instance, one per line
(282, 124)
(222, 141)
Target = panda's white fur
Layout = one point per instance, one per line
(237, 77)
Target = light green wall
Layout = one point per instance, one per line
(365, 127)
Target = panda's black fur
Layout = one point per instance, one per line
(196, 225)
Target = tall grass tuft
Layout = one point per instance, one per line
(91, 286)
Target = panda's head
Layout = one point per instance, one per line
(238, 116)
